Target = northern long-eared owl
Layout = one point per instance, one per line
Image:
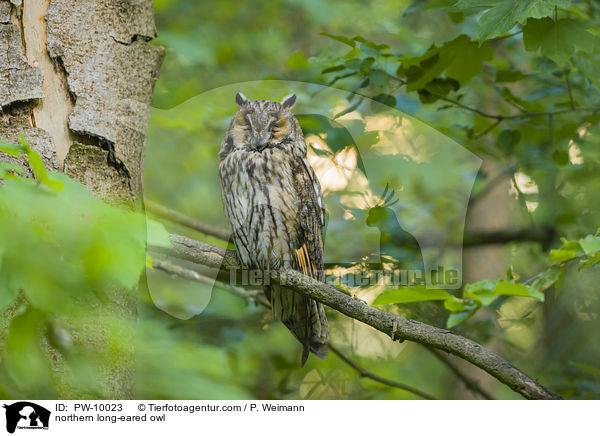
(274, 204)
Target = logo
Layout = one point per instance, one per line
(26, 415)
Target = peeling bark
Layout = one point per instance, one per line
(18, 80)
(52, 112)
(111, 82)
(76, 79)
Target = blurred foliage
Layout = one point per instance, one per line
(514, 83)
(62, 252)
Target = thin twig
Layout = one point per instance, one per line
(571, 100)
(186, 221)
(170, 268)
(510, 35)
(368, 374)
(517, 116)
(472, 385)
(488, 129)
(561, 263)
(504, 117)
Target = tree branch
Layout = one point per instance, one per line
(184, 220)
(393, 325)
(170, 268)
(472, 385)
(470, 239)
(499, 117)
(259, 298)
(533, 234)
(516, 116)
(368, 374)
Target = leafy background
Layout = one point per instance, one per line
(515, 83)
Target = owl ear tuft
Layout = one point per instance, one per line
(288, 101)
(240, 99)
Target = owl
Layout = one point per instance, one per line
(274, 204)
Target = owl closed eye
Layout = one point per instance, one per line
(261, 124)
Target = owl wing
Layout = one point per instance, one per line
(309, 254)
(311, 219)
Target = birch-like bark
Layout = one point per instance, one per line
(76, 79)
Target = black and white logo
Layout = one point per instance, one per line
(26, 415)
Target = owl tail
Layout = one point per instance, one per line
(304, 317)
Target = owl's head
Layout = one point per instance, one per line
(259, 125)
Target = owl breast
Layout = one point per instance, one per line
(262, 207)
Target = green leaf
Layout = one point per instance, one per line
(411, 295)
(562, 255)
(473, 288)
(80, 246)
(590, 261)
(6, 167)
(157, 234)
(454, 304)
(370, 44)
(8, 292)
(507, 139)
(387, 99)
(511, 288)
(25, 361)
(560, 157)
(588, 369)
(456, 318)
(509, 76)
(333, 68)
(546, 279)
(340, 38)
(11, 149)
(510, 275)
(297, 61)
(37, 165)
(378, 77)
(423, 5)
(590, 244)
(503, 15)
(338, 137)
(461, 59)
(442, 86)
(557, 40)
(482, 291)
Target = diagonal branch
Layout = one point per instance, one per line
(259, 298)
(176, 270)
(393, 325)
(186, 221)
(472, 385)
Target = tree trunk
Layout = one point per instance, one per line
(76, 79)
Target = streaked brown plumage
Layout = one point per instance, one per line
(274, 204)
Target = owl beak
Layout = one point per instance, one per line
(259, 144)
